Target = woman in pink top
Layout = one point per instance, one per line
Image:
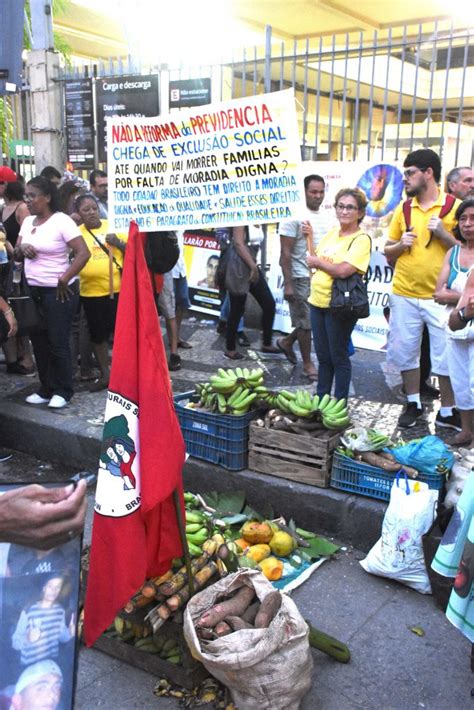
(54, 252)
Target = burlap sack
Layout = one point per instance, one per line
(269, 669)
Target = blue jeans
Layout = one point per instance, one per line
(225, 310)
(331, 337)
(52, 346)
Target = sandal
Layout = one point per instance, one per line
(234, 355)
(184, 344)
(289, 353)
(311, 376)
(98, 386)
(273, 349)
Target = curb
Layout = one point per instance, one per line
(354, 519)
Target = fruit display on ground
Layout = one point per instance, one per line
(223, 534)
(236, 391)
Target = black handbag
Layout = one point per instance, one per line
(349, 297)
(27, 311)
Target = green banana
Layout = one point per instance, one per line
(283, 403)
(194, 516)
(222, 403)
(193, 527)
(239, 372)
(198, 537)
(325, 399)
(194, 550)
(315, 403)
(299, 411)
(288, 395)
(339, 406)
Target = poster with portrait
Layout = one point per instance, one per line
(201, 253)
(39, 599)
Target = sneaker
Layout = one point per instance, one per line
(243, 340)
(453, 421)
(57, 402)
(5, 455)
(16, 368)
(409, 417)
(36, 399)
(174, 363)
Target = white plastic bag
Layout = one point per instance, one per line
(398, 554)
(268, 669)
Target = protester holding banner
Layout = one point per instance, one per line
(297, 238)
(45, 243)
(100, 282)
(242, 277)
(344, 251)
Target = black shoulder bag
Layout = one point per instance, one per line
(349, 297)
(106, 251)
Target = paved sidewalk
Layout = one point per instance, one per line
(391, 667)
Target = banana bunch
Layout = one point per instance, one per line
(197, 531)
(230, 391)
(167, 648)
(329, 410)
(333, 412)
(377, 440)
(131, 631)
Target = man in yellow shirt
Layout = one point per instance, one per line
(418, 251)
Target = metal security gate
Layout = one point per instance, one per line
(374, 95)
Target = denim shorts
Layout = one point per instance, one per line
(181, 292)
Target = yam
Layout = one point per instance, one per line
(232, 607)
(269, 608)
(385, 464)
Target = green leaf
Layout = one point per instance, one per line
(252, 514)
(319, 547)
(417, 630)
(225, 503)
(236, 519)
(292, 525)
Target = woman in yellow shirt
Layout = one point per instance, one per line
(99, 285)
(344, 251)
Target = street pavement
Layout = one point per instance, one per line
(391, 667)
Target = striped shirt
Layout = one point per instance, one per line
(53, 630)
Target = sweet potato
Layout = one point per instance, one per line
(232, 607)
(268, 610)
(251, 612)
(222, 628)
(237, 624)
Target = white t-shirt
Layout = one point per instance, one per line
(321, 225)
(51, 243)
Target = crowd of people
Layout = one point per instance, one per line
(56, 231)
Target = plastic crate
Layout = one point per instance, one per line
(362, 479)
(219, 438)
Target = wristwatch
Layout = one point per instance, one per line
(462, 316)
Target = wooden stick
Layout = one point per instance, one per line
(111, 271)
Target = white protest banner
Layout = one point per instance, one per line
(236, 162)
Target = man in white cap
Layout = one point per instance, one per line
(39, 687)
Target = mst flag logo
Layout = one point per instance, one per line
(118, 484)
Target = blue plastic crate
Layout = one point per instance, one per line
(362, 479)
(219, 438)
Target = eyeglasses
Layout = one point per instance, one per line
(346, 208)
(411, 171)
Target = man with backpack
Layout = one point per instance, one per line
(420, 234)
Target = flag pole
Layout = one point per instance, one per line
(184, 541)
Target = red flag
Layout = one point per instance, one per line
(135, 533)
